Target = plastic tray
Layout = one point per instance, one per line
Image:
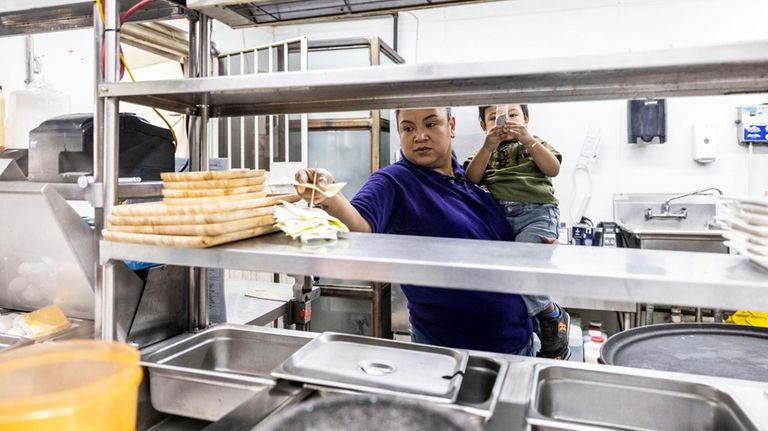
(712, 349)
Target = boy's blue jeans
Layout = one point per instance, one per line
(530, 223)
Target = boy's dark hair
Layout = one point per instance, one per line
(523, 107)
(447, 111)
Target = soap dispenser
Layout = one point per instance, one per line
(704, 148)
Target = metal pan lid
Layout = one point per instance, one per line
(378, 366)
(711, 349)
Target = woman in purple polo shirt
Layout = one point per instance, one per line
(407, 198)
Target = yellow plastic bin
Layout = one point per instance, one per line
(73, 385)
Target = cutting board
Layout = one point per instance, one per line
(203, 193)
(161, 209)
(188, 219)
(185, 241)
(213, 184)
(211, 175)
(214, 199)
(206, 229)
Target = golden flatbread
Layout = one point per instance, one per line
(330, 189)
(161, 209)
(211, 175)
(213, 199)
(222, 217)
(213, 184)
(199, 229)
(203, 193)
(185, 241)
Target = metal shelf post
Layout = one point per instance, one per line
(105, 290)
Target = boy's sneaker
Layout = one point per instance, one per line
(553, 333)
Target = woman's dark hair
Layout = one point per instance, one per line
(523, 107)
(447, 112)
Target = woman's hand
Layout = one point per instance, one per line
(319, 177)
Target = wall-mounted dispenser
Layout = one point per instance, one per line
(647, 121)
(704, 149)
(752, 123)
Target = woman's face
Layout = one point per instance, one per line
(425, 137)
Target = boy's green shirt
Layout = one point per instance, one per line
(512, 175)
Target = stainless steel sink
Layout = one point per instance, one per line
(573, 398)
(208, 374)
(694, 232)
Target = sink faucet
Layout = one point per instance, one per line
(683, 213)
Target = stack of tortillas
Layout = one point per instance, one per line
(199, 209)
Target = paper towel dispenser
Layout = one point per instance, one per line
(647, 121)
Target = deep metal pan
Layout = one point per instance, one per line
(712, 349)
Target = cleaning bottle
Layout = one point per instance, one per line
(592, 349)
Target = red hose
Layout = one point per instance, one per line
(103, 64)
(133, 10)
(125, 15)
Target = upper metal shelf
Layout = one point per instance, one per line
(43, 16)
(240, 13)
(713, 70)
(619, 274)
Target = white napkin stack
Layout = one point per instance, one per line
(307, 224)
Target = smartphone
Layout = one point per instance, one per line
(501, 114)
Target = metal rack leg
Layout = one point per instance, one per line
(98, 163)
(105, 305)
(105, 288)
(649, 314)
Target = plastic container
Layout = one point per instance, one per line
(73, 385)
(592, 349)
(29, 107)
(595, 328)
(576, 344)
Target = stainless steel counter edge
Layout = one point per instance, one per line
(670, 277)
(148, 351)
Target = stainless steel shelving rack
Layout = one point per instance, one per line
(618, 274)
(42, 16)
(244, 13)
